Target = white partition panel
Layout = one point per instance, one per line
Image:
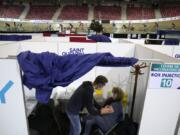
(161, 108)
(149, 55)
(6, 42)
(135, 41)
(90, 76)
(30, 99)
(117, 76)
(114, 40)
(121, 50)
(160, 112)
(145, 53)
(36, 37)
(76, 48)
(9, 49)
(39, 47)
(176, 52)
(12, 109)
(56, 39)
(168, 50)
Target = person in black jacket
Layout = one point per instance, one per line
(83, 98)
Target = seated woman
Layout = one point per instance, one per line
(106, 122)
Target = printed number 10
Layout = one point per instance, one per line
(166, 83)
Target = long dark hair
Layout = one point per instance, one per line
(119, 92)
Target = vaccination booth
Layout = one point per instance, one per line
(156, 107)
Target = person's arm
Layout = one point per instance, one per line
(98, 106)
(89, 104)
(91, 108)
(108, 101)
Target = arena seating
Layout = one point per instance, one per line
(41, 12)
(107, 12)
(170, 11)
(71, 12)
(10, 11)
(135, 13)
(74, 12)
(148, 13)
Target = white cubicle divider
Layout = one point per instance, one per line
(36, 37)
(9, 49)
(38, 47)
(168, 50)
(118, 76)
(147, 55)
(120, 50)
(135, 41)
(57, 39)
(176, 52)
(12, 107)
(114, 40)
(161, 107)
(78, 48)
(6, 42)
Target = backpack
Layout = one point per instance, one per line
(125, 127)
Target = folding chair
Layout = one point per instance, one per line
(109, 132)
(123, 128)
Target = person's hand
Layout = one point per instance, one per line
(110, 108)
(107, 106)
(107, 110)
(104, 111)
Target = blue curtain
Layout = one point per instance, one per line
(44, 71)
(99, 38)
(171, 41)
(14, 37)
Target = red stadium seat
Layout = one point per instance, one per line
(71, 12)
(10, 11)
(46, 34)
(41, 12)
(81, 39)
(107, 12)
(137, 13)
(170, 11)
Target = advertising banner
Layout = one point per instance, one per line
(164, 76)
(161, 106)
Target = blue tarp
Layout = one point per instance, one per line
(163, 32)
(99, 38)
(44, 71)
(14, 37)
(171, 41)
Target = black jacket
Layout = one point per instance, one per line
(82, 97)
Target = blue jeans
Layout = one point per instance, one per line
(95, 120)
(75, 125)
